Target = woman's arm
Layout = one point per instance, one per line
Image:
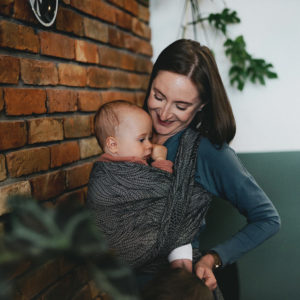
(221, 173)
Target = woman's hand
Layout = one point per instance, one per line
(182, 263)
(203, 270)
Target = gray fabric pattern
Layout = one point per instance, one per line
(146, 212)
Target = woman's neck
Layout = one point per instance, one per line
(159, 139)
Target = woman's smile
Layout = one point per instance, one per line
(163, 122)
(173, 103)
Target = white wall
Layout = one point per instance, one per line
(267, 116)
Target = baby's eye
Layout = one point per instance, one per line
(141, 140)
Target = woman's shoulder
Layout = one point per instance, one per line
(208, 150)
(218, 167)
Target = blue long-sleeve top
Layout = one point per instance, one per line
(221, 173)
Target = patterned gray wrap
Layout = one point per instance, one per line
(145, 212)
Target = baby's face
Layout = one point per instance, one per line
(134, 134)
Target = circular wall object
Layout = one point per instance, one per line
(45, 11)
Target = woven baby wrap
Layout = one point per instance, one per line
(145, 212)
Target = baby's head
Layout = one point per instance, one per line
(176, 284)
(124, 129)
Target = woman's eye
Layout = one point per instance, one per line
(142, 140)
(157, 97)
(180, 107)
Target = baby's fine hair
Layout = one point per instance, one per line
(107, 119)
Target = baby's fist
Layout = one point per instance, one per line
(159, 152)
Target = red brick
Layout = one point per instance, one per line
(25, 101)
(141, 29)
(87, 6)
(2, 168)
(137, 81)
(77, 126)
(89, 147)
(13, 134)
(9, 69)
(119, 3)
(97, 9)
(72, 75)
(96, 30)
(109, 57)
(1, 99)
(144, 13)
(77, 197)
(23, 11)
(127, 61)
(66, 287)
(38, 72)
(123, 79)
(94, 289)
(64, 153)
(37, 279)
(44, 130)
(140, 98)
(116, 37)
(137, 45)
(89, 101)
(144, 47)
(120, 79)
(131, 6)
(123, 20)
(18, 37)
(131, 42)
(65, 264)
(114, 58)
(24, 265)
(108, 96)
(70, 21)
(83, 294)
(47, 186)
(98, 77)
(78, 176)
(28, 161)
(18, 188)
(6, 7)
(92, 122)
(61, 100)
(143, 65)
(105, 12)
(59, 45)
(86, 52)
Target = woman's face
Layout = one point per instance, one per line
(173, 102)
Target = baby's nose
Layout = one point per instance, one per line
(149, 145)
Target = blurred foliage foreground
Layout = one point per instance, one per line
(37, 233)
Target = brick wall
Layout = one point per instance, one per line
(52, 80)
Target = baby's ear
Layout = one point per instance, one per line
(111, 144)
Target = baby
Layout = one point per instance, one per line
(124, 132)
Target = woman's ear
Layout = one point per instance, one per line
(111, 144)
(201, 107)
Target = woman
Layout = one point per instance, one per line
(186, 91)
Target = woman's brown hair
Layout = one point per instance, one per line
(189, 58)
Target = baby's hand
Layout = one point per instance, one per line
(159, 152)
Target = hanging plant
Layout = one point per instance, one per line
(244, 67)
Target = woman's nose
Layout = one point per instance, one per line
(164, 113)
